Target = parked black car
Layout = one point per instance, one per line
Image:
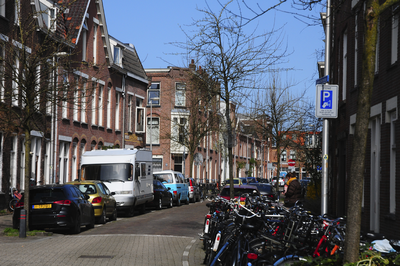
(266, 190)
(162, 196)
(56, 206)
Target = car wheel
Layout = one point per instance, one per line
(103, 218)
(76, 228)
(171, 203)
(159, 205)
(178, 201)
(142, 209)
(114, 215)
(187, 200)
(92, 220)
(131, 211)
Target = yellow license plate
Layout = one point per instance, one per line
(41, 206)
(242, 203)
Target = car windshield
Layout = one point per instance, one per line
(236, 181)
(264, 188)
(118, 172)
(165, 178)
(46, 194)
(237, 191)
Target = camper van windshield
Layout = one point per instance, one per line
(119, 172)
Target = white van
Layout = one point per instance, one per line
(177, 182)
(127, 172)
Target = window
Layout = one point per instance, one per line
(292, 154)
(95, 43)
(153, 131)
(17, 9)
(49, 14)
(179, 129)
(130, 113)
(65, 96)
(283, 156)
(109, 108)
(84, 40)
(83, 102)
(15, 80)
(154, 94)
(140, 111)
(180, 94)
(356, 49)
(100, 105)
(117, 56)
(117, 104)
(3, 8)
(344, 67)
(76, 99)
(2, 62)
(395, 35)
(94, 99)
(63, 161)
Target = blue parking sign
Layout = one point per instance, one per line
(326, 99)
(326, 105)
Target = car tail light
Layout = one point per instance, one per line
(20, 204)
(63, 202)
(97, 200)
(175, 192)
(252, 256)
(191, 189)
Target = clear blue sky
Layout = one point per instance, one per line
(150, 25)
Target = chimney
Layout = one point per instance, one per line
(192, 65)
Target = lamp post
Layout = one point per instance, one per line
(151, 121)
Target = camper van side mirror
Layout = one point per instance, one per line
(137, 173)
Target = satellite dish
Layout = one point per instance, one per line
(198, 159)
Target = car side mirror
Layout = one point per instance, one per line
(87, 197)
(112, 193)
(169, 188)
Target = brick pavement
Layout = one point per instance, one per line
(99, 249)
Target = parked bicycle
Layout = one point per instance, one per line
(15, 197)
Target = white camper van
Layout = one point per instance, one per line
(127, 172)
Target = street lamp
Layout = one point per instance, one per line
(151, 120)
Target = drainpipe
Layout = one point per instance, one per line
(123, 109)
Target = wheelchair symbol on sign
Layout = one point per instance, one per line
(326, 100)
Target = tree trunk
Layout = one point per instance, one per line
(357, 167)
(27, 175)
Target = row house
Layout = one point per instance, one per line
(94, 97)
(381, 200)
(170, 113)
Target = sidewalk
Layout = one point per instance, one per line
(118, 249)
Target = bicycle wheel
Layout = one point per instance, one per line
(12, 203)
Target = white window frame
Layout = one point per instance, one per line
(65, 96)
(109, 108)
(180, 94)
(15, 87)
(2, 68)
(17, 11)
(344, 66)
(117, 109)
(95, 27)
(76, 100)
(395, 35)
(154, 92)
(140, 125)
(117, 55)
(100, 105)
(94, 101)
(154, 122)
(3, 8)
(85, 30)
(130, 112)
(49, 14)
(83, 101)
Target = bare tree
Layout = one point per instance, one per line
(278, 112)
(199, 119)
(231, 57)
(372, 13)
(37, 79)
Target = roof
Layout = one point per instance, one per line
(111, 152)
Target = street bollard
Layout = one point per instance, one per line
(22, 224)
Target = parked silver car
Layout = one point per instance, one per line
(194, 190)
